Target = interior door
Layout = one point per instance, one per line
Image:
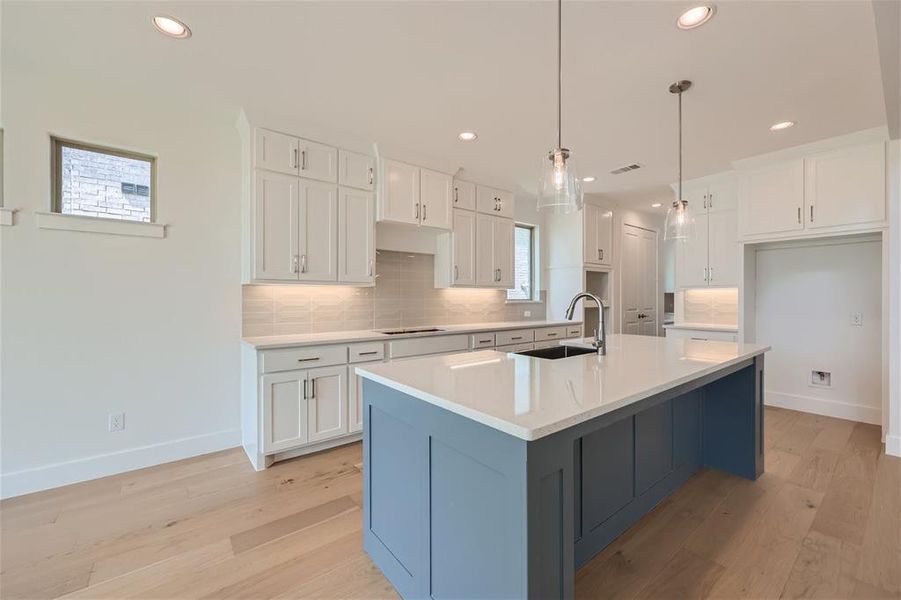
(464, 248)
(639, 281)
(328, 403)
(356, 236)
(275, 226)
(318, 227)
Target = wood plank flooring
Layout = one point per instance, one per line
(823, 522)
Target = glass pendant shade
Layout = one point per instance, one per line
(680, 222)
(559, 189)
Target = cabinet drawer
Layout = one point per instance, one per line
(574, 331)
(367, 352)
(483, 340)
(515, 347)
(700, 334)
(430, 345)
(301, 358)
(550, 333)
(519, 336)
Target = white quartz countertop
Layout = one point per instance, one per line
(369, 335)
(530, 398)
(702, 327)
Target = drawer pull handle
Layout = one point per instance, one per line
(519, 337)
(552, 335)
(484, 341)
(700, 339)
(307, 359)
(369, 353)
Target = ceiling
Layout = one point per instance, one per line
(414, 74)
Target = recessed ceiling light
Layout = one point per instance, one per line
(782, 125)
(468, 136)
(695, 17)
(171, 26)
(656, 205)
(588, 179)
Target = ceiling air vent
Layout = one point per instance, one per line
(625, 169)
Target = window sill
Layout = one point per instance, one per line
(6, 216)
(51, 220)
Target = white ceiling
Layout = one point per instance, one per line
(414, 74)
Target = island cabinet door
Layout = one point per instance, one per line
(653, 446)
(608, 470)
(284, 410)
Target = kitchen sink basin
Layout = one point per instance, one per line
(410, 330)
(556, 352)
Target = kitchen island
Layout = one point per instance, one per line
(496, 475)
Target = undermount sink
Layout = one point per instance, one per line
(410, 330)
(556, 352)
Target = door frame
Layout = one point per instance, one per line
(620, 261)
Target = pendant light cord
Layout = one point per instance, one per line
(559, 73)
(680, 145)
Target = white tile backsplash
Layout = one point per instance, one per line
(709, 306)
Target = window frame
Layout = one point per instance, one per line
(56, 160)
(533, 262)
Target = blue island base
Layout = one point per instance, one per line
(456, 509)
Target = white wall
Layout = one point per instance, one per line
(93, 323)
(806, 296)
(893, 418)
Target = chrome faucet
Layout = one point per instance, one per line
(600, 335)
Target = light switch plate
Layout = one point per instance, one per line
(857, 319)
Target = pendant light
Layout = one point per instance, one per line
(559, 190)
(680, 220)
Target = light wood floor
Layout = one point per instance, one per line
(824, 521)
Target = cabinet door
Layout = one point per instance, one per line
(318, 161)
(723, 248)
(486, 275)
(356, 236)
(503, 252)
(356, 170)
(318, 231)
(591, 253)
(691, 256)
(285, 423)
(354, 401)
(399, 198)
(275, 151)
(464, 248)
(504, 204)
(275, 226)
(464, 195)
(846, 187)
(605, 236)
(327, 403)
(771, 200)
(722, 196)
(436, 195)
(487, 200)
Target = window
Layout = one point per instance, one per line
(523, 264)
(92, 181)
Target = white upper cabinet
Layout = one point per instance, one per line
(772, 199)
(834, 191)
(492, 201)
(494, 251)
(318, 161)
(845, 187)
(463, 241)
(356, 170)
(436, 195)
(275, 226)
(399, 197)
(356, 236)
(464, 195)
(317, 240)
(597, 235)
(710, 256)
(275, 151)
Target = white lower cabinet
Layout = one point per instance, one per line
(355, 401)
(284, 411)
(701, 334)
(328, 395)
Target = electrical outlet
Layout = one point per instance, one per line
(527, 313)
(857, 319)
(820, 378)
(116, 421)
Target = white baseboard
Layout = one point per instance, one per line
(828, 408)
(54, 475)
(893, 445)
